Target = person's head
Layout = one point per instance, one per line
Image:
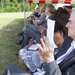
(37, 9)
(71, 25)
(60, 8)
(68, 8)
(50, 9)
(60, 32)
(42, 10)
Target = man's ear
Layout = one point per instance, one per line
(62, 34)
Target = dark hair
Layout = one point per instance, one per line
(61, 18)
(69, 7)
(60, 8)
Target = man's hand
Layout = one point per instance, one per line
(35, 22)
(46, 51)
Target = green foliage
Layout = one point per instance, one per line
(73, 5)
(15, 1)
(40, 5)
(17, 6)
(32, 6)
(14, 6)
(7, 0)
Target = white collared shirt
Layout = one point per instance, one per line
(46, 17)
(62, 57)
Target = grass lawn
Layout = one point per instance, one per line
(10, 25)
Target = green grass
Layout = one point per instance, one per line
(9, 28)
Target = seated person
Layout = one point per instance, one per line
(60, 30)
(64, 64)
(35, 31)
(35, 16)
(68, 8)
(38, 20)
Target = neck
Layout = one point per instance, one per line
(73, 39)
(42, 13)
(48, 14)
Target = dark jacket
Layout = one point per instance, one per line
(41, 19)
(67, 66)
(44, 24)
(66, 44)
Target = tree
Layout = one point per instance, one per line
(15, 1)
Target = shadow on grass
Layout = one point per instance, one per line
(8, 34)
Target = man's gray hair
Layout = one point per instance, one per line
(51, 9)
(42, 9)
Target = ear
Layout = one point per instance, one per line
(62, 34)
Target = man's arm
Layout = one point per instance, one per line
(46, 54)
(52, 68)
(42, 19)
